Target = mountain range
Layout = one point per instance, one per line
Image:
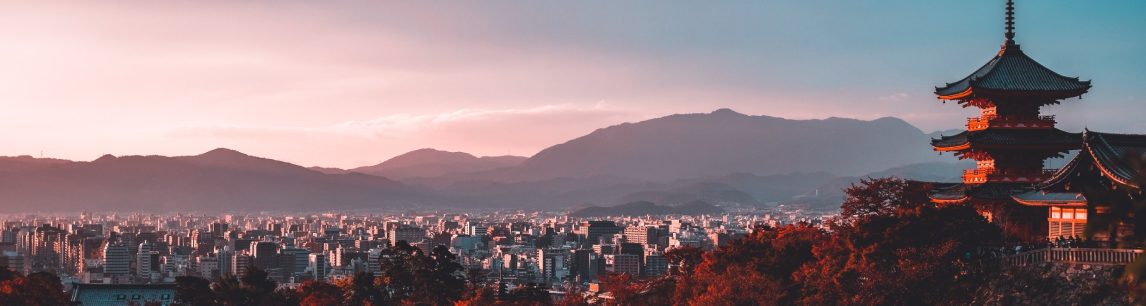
(723, 158)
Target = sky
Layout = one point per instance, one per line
(352, 83)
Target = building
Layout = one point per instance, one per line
(116, 260)
(116, 294)
(624, 264)
(655, 265)
(1011, 139)
(410, 235)
(552, 264)
(594, 230)
(318, 265)
(1100, 165)
(264, 253)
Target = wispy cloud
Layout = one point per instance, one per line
(483, 132)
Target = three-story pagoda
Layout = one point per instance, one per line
(1011, 139)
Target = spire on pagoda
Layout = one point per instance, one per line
(1012, 73)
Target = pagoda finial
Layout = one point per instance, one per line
(1010, 21)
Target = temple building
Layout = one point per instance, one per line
(1011, 140)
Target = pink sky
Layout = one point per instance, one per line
(354, 83)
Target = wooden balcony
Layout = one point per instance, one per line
(1076, 255)
(976, 176)
(1010, 122)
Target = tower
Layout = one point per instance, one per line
(1011, 139)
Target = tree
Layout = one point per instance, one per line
(684, 259)
(315, 293)
(250, 290)
(193, 291)
(36, 289)
(883, 196)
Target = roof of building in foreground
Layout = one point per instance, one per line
(122, 294)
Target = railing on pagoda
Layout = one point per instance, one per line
(1010, 122)
(976, 176)
(1074, 255)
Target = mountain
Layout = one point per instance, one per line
(218, 180)
(641, 208)
(722, 142)
(431, 163)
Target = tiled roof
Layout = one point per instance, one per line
(1109, 152)
(1113, 153)
(1013, 70)
(117, 294)
(990, 191)
(1010, 137)
(1045, 198)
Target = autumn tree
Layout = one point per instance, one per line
(36, 289)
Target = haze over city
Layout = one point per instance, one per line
(591, 153)
(353, 84)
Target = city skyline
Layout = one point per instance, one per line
(348, 85)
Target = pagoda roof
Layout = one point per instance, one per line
(1110, 153)
(1013, 72)
(1041, 198)
(1008, 137)
(989, 191)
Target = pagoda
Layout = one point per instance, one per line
(1011, 139)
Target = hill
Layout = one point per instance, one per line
(221, 179)
(722, 142)
(431, 163)
(641, 208)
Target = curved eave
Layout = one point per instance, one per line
(948, 201)
(1050, 203)
(1107, 173)
(964, 146)
(1079, 201)
(973, 91)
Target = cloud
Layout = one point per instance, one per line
(899, 96)
(481, 132)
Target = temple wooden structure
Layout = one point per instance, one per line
(1011, 139)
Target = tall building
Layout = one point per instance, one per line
(143, 261)
(593, 230)
(318, 265)
(552, 264)
(240, 262)
(117, 260)
(264, 253)
(1011, 139)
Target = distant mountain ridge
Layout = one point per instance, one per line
(221, 179)
(430, 163)
(641, 208)
(722, 158)
(724, 141)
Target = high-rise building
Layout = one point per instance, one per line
(117, 260)
(318, 265)
(264, 253)
(240, 262)
(552, 264)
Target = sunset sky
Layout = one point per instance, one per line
(352, 83)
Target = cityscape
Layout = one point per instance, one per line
(507, 247)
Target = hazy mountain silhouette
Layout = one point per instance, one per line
(641, 208)
(723, 158)
(221, 179)
(431, 163)
(724, 141)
